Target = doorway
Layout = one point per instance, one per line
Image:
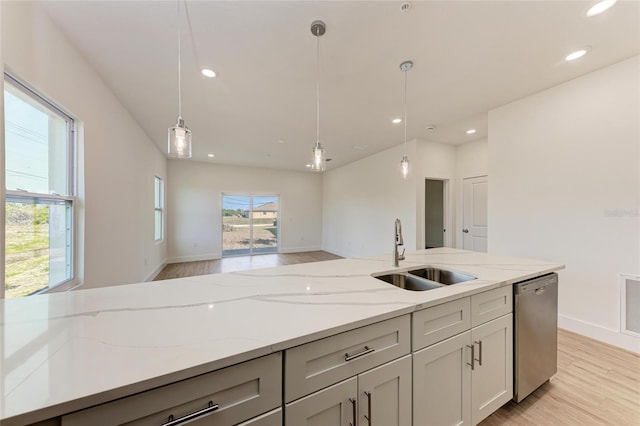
(434, 213)
(474, 213)
(249, 224)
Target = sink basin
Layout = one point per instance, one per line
(441, 276)
(408, 282)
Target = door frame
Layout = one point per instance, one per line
(447, 210)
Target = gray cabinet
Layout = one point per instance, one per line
(223, 397)
(467, 376)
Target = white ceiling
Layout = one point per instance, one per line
(469, 56)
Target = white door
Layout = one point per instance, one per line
(442, 383)
(474, 211)
(333, 406)
(384, 394)
(492, 378)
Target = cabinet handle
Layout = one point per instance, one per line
(473, 356)
(366, 350)
(466, 231)
(479, 342)
(368, 415)
(210, 409)
(355, 412)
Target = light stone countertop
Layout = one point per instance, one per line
(67, 351)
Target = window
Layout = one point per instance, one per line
(159, 207)
(40, 192)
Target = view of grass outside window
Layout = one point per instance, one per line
(39, 192)
(249, 224)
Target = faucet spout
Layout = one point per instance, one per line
(397, 241)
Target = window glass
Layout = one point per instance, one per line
(159, 207)
(39, 200)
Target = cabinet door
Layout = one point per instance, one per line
(384, 394)
(493, 374)
(333, 406)
(442, 383)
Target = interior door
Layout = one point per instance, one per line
(474, 211)
(434, 213)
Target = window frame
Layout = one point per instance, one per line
(158, 191)
(71, 175)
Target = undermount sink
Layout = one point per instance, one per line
(441, 276)
(426, 278)
(408, 282)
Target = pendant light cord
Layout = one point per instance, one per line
(179, 66)
(317, 85)
(405, 111)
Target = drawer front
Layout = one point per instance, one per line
(272, 418)
(440, 322)
(241, 391)
(327, 361)
(491, 305)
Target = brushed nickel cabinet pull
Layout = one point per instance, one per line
(366, 350)
(355, 412)
(473, 356)
(368, 415)
(479, 342)
(171, 421)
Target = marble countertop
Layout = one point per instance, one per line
(67, 351)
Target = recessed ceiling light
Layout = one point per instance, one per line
(280, 141)
(360, 147)
(396, 120)
(208, 72)
(575, 55)
(308, 165)
(471, 131)
(600, 7)
(210, 155)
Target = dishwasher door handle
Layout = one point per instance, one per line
(540, 290)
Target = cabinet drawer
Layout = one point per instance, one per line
(440, 322)
(327, 361)
(491, 304)
(241, 391)
(272, 418)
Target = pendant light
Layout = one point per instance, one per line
(319, 159)
(179, 135)
(405, 67)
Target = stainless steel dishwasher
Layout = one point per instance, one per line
(535, 333)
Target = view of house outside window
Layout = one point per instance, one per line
(39, 198)
(249, 224)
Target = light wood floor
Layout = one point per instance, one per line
(596, 384)
(240, 263)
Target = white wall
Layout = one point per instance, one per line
(435, 161)
(194, 206)
(362, 199)
(472, 160)
(118, 161)
(565, 186)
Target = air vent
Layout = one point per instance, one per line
(630, 304)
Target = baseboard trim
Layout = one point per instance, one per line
(194, 258)
(598, 332)
(156, 271)
(299, 249)
(336, 252)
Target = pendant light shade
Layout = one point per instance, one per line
(179, 140)
(179, 136)
(319, 158)
(405, 67)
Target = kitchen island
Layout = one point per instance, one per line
(65, 352)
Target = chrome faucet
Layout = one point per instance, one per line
(397, 241)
